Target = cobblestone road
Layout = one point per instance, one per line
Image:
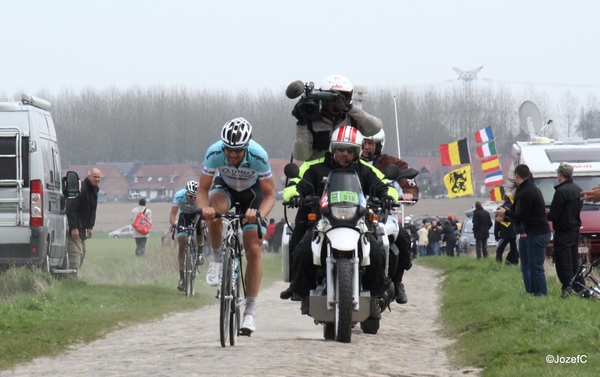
(285, 344)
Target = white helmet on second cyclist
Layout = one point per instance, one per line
(191, 188)
(347, 137)
(236, 133)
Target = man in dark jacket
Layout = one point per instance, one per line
(81, 215)
(482, 222)
(345, 150)
(564, 214)
(530, 215)
(409, 191)
(434, 236)
(449, 237)
(504, 232)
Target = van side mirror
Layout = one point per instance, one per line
(71, 184)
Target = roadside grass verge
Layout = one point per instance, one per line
(116, 290)
(507, 332)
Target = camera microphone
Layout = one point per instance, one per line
(295, 89)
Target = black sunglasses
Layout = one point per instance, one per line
(229, 149)
(347, 150)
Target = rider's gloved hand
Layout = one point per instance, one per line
(295, 201)
(387, 202)
(341, 102)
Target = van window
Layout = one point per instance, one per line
(8, 165)
(546, 185)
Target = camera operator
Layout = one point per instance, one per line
(319, 112)
(314, 127)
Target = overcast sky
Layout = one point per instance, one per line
(234, 45)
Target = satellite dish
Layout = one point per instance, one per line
(531, 119)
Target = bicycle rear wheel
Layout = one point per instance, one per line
(188, 267)
(226, 298)
(194, 272)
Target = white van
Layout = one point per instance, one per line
(33, 223)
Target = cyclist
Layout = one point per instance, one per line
(244, 176)
(408, 190)
(182, 214)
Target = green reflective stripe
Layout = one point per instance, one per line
(343, 197)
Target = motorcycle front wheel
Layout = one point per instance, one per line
(343, 305)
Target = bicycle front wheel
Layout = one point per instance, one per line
(236, 303)
(188, 268)
(226, 297)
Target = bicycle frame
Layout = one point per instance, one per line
(591, 286)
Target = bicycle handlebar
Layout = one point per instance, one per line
(241, 216)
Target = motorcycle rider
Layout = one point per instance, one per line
(408, 190)
(345, 149)
(313, 137)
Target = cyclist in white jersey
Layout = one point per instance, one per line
(183, 212)
(244, 176)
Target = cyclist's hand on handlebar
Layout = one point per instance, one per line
(208, 213)
(250, 216)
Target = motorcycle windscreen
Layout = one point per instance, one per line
(345, 181)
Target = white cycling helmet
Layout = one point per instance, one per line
(236, 133)
(337, 82)
(192, 188)
(347, 137)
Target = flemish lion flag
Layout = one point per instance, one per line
(459, 182)
(455, 153)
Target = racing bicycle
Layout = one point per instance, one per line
(190, 262)
(232, 287)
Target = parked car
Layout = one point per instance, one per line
(124, 232)
(467, 231)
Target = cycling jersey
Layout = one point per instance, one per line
(254, 167)
(180, 200)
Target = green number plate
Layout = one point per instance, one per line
(344, 196)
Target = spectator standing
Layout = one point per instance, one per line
(270, 231)
(423, 241)
(482, 222)
(449, 237)
(140, 239)
(564, 214)
(434, 237)
(530, 214)
(504, 233)
(81, 215)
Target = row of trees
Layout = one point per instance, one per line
(177, 124)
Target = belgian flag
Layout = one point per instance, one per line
(455, 153)
(497, 193)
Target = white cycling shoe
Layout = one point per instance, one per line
(248, 325)
(213, 276)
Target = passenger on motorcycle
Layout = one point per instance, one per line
(345, 150)
(408, 190)
(237, 169)
(313, 137)
(183, 212)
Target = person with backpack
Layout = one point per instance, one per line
(139, 237)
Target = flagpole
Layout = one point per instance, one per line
(397, 131)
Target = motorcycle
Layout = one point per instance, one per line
(341, 250)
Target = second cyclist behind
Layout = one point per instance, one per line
(242, 173)
(183, 213)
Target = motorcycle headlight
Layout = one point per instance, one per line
(343, 212)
